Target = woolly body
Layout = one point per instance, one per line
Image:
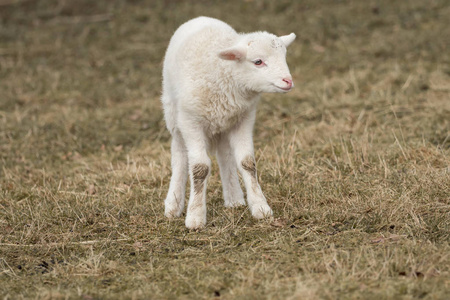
(202, 83)
(212, 78)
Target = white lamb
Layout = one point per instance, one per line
(212, 79)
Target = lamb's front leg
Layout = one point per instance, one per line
(199, 170)
(255, 197)
(242, 143)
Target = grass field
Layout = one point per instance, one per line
(354, 161)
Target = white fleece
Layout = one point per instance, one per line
(212, 79)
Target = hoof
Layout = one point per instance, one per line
(261, 211)
(195, 222)
(235, 203)
(173, 208)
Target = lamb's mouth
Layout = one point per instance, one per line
(286, 89)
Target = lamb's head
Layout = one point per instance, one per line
(260, 62)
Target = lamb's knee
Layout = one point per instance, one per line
(199, 174)
(249, 165)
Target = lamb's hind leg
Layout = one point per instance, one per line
(174, 202)
(232, 192)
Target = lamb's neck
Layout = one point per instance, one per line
(235, 88)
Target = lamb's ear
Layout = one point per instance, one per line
(288, 39)
(233, 53)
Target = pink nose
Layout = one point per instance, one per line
(288, 82)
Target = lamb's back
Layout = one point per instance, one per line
(193, 50)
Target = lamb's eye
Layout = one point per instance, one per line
(258, 62)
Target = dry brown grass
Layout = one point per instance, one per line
(354, 161)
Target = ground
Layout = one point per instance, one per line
(354, 161)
